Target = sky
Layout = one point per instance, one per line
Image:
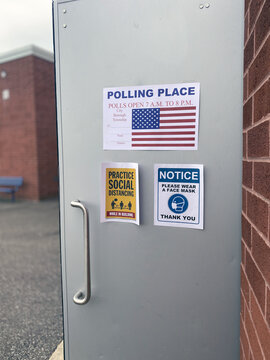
(25, 22)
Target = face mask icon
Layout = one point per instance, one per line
(178, 203)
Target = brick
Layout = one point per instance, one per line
(244, 201)
(258, 140)
(247, 114)
(246, 32)
(253, 339)
(246, 28)
(262, 24)
(262, 329)
(245, 87)
(244, 340)
(254, 9)
(249, 51)
(27, 148)
(268, 308)
(46, 128)
(242, 306)
(257, 211)
(18, 126)
(261, 254)
(244, 145)
(242, 356)
(260, 67)
(247, 173)
(245, 286)
(269, 225)
(246, 5)
(262, 178)
(246, 231)
(262, 102)
(255, 279)
(243, 253)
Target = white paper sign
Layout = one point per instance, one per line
(120, 192)
(153, 117)
(179, 195)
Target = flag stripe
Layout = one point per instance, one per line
(178, 114)
(182, 120)
(178, 127)
(163, 145)
(164, 139)
(179, 108)
(164, 133)
(179, 121)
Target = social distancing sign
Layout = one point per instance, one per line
(178, 195)
(120, 199)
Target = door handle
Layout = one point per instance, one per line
(83, 296)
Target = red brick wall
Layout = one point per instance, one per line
(28, 127)
(46, 128)
(255, 267)
(18, 147)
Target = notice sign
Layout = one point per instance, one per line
(120, 189)
(154, 117)
(179, 195)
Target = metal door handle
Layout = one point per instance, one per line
(82, 297)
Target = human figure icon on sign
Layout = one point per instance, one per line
(121, 205)
(113, 203)
(129, 206)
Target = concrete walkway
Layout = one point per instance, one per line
(58, 354)
(31, 305)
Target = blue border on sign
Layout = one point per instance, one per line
(180, 222)
(194, 171)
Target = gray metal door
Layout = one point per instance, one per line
(157, 292)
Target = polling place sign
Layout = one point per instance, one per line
(151, 117)
(179, 195)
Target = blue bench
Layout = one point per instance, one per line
(10, 184)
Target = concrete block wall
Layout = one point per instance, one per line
(255, 266)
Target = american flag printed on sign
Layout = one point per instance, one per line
(164, 127)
